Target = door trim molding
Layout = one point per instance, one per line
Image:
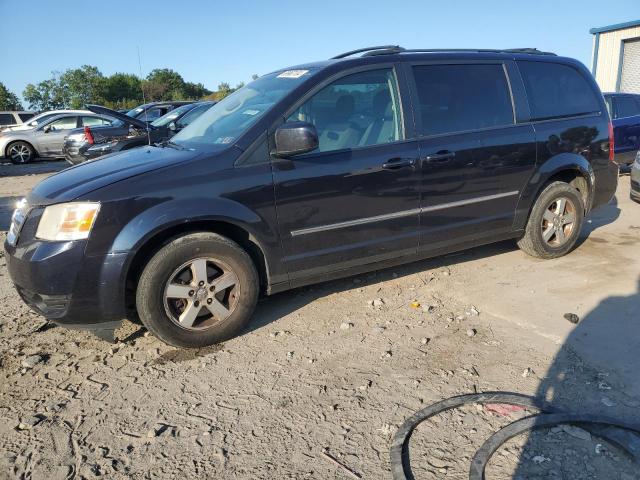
(400, 214)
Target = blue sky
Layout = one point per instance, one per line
(212, 41)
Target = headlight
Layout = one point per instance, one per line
(101, 147)
(76, 138)
(67, 221)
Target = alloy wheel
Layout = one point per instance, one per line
(558, 222)
(201, 293)
(19, 153)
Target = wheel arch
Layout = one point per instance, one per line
(569, 168)
(154, 242)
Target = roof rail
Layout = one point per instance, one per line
(392, 49)
(386, 48)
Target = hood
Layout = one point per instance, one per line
(120, 116)
(82, 179)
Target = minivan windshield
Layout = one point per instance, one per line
(223, 123)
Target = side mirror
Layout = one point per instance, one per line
(47, 129)
(172, 126)
(295, 138)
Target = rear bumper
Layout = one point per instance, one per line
(605, 184)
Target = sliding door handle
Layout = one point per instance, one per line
(440, 157)
(396, 163)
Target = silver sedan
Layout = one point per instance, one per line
(47, 138)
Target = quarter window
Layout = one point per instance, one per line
(94, 121)
(7, 119)
(555, 90)
(456, 98)
(25, 116)
(357, 110)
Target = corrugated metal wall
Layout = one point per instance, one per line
(630, 75)
(608, 66)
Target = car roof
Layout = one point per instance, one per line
(394, 53)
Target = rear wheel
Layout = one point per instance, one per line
(197, 290)
(554, 223)
(20, 152)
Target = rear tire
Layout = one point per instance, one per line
(555, 222)
(20, 152)
(197, 290)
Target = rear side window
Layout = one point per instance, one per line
(456, 98)
(6, 119)
(94, 121)
(555, 90)
(25, 116)
(626, 107)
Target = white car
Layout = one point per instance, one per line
(38, 119)
(15, 118)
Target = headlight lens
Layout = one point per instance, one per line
(101, 147)
(77, 138)
(67, 221)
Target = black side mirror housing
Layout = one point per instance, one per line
(47, 129)
(172, 126)
(295, 138)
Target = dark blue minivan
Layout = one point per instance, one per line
(375, 157)
(624, 109)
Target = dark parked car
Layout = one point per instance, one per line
(316, 172)
(625, 112)
(127, 132)
(149, 112)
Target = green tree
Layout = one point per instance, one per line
(46, 95)
(255, 76)
(8, 100)
(224, 89)
(83, 85)
(122, 90)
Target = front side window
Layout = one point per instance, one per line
(66, 123)
(150, 114)
(170, 116)
(626, 107)
(224, 122)
(358, 110)
(555, 90)
(457, 98)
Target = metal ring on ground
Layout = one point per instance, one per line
(607, 429)
(488, 448)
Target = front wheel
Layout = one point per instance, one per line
(20, 152)
(554, 223)
(197, 290)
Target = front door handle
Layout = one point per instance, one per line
(396, 163)
(440, 157)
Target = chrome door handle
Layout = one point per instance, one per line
(396, 163)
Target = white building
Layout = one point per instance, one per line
(616, 57)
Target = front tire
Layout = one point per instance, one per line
(555, 222)
(20, 152)
(197, 290)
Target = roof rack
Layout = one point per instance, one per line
(393, 49)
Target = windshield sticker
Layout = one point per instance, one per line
(293, 73)
(224, 140)
(251, 112)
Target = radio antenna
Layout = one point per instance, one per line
(144, 100)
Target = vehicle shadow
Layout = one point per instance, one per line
(36, 167)
(595, 372)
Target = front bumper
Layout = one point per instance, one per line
(59, 281)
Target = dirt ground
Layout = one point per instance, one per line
(322, 370)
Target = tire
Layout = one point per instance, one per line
(186, 295)
(20, 152)
(550, 234)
